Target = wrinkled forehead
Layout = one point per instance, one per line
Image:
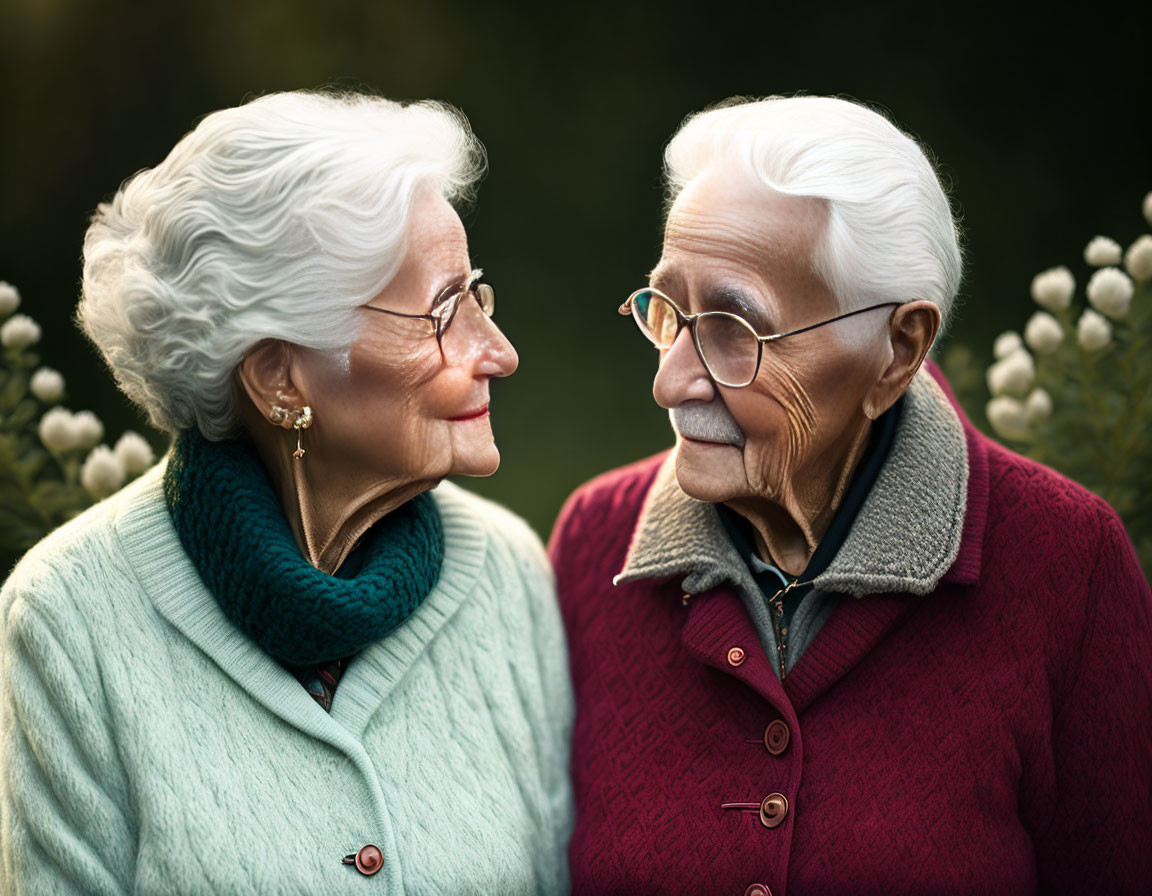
(726, 228)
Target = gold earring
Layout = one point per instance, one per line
(277, 414)
(303, 421)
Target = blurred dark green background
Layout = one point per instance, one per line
(1041, 124)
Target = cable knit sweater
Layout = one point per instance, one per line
(975, 716)
(149, 747)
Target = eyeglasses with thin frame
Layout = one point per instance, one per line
(446, 305)
(728, 346)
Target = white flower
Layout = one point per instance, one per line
(1006, 343)
(19, 331)
(1037, 406)
(1008, 417)
(1110, 292)
(10, 297)
(1012, 375)
(1093, 332)
(1101, 251)
(1138, 258)
(102, 473)
(1053, 288)
(134, 453)
(1148, 208)
(87, 428)
(47, 385)
(1043, 333)
(56, 430)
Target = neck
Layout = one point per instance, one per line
(328, 506)
(788, 526)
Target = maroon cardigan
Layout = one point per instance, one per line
(994, 736)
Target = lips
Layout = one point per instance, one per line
(472, 415)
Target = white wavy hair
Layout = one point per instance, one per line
(889, 235)
(275, 219)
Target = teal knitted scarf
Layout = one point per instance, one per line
(232, 526)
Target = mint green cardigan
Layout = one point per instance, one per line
(147, 746)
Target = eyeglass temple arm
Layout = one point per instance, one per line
(833, 320)
(398, 313)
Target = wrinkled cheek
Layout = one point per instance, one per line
(772, 457)
(428, 448)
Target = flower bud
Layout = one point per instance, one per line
(19, 331)
(1037, 406)
(1101, 251)
(102, 473)
(1138, 258)
(1043, 333)
(1012, 375)
(1093, 332)
(134, 453)
(1053, 288)
(1110, 292)
(1006, 343)
(47, 385)
(9, 298)
(88, 429)
(1008, 417)
(56, 430)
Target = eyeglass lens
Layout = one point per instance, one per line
(484, 295)
(726, 344)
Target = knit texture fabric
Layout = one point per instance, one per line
(907, 534)
(230, 523)
(909, 526)
(147, 746)
(992, 735)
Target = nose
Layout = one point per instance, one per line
(501, 359)
(477, 340)
(682, 378)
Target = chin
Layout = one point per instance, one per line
(712, 473)
(480, 463)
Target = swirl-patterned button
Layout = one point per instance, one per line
(368, 860)
(773, 810)
(777, 736)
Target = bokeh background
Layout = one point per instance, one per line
(1040, 123)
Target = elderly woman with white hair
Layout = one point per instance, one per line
(291, 659)
(837, 640)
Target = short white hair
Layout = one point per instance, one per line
(272, 220)
(889, 236)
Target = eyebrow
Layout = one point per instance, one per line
(745, 304)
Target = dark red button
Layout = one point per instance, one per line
(776, 737)
(758, 890)
(368, 860)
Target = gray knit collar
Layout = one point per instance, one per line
(905, 537)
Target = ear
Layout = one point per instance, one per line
(911, 332)
(266, 375)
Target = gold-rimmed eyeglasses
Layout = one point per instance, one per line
(729, 347)
(446, 305)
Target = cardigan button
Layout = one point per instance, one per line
(773, 810)
(758, 890)
(368, 860)
(776, 737)
(735, 656)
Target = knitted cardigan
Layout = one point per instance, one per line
(974, 717)
(147, 746)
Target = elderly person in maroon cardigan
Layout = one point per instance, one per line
(836, 640)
